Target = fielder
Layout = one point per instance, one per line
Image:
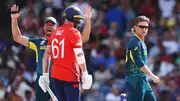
(137, 71)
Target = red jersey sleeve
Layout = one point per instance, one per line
(76, 39)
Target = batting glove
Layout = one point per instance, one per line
(86, 80)
(44, 82)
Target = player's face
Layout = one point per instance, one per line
(49, 27)
(141, 28)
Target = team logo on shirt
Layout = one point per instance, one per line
(42, 42)
(135, 48)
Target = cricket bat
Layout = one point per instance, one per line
(51, 94)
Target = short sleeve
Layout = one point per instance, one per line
(32, 44)
(76, 39)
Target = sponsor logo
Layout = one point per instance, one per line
(43, 47)
(136, 48)
(145, 52)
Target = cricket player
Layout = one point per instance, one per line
(65, 47)
(137, 71)
(39, 44)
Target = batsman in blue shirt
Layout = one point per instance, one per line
(137, 71)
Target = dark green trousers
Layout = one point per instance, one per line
(139, 89)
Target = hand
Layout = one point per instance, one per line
(44, 82)
(87, 12)
(15, 8)
(86, 81)
(155, 79)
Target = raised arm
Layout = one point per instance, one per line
(87, 26)
(17, 36)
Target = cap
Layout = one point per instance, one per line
(50, 19)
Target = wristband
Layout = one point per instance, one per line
(45, 74)
(14, 12)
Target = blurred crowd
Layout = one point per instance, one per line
(105, 51)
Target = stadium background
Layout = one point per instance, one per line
(105, 51)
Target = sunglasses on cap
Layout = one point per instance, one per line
(142, 27)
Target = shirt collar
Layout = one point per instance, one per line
(138, 37)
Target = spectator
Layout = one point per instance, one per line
(119, 19)
(28, 96)
(147, 9)
(95, 94)
(48, 9)
(80, 4)
(166, 7)
(174, 90)
(113, 95)
(13, 96)
(102, 75)
(20, 85)
(129, 13)
(2, 91)
(164, 96)
(106, 58)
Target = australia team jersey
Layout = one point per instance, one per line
(136, 56)
(38, 45)
(62, 42)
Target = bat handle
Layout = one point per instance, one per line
(51, 94)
